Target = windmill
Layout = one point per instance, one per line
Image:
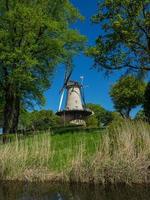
(75, 110)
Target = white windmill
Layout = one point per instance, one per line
(75, 110)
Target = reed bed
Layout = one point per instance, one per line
(123, 156)
(119, 154)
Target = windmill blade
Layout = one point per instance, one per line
(68, 72)
(68, 77)
(82, 90)
(83, 98)
(66, 80)
(65, 77)
(61, 100)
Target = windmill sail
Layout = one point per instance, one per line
(61, 100)
(68, 73)
(83, 97)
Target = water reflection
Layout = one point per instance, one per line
(24, 191)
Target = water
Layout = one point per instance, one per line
(25, 191)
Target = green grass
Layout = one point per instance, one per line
(66, 147)
(45, 151)
(121, 153)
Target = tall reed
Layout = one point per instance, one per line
(118, 154)
(24, 159)
(123, 156)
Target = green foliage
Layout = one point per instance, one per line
(116, 118)
(146, 104)
(35, 36)
(140, 115)
(126, 94)
(124, 40)
(100, 117)
(39, 120)
(92, 121)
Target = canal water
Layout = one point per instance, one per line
(25, 191)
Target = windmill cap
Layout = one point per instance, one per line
(73, 84)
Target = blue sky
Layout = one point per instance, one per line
(98, 85)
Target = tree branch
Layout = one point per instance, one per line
(126, 65)
(143, 9)
(143, 30)
(7, 5)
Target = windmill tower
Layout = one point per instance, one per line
(75, 110)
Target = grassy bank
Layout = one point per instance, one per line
(119, 154)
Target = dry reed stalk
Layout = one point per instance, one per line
(123, 155)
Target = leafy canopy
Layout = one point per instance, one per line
(101, 117)
(140, 115)
(38, 120)
(124, 42)
(127, 93)
(35, 36)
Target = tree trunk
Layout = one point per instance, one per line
(8, 110)
(16, 113)
(8, 113)
(128, 113)
(125, 113)
(11, 109)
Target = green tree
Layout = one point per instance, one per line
(39, 120)
(146, 104)
(92, 121)
(101, 117)
(124, 40)
(116, 117)
(126, 94)
(35, 36)
(140, 115)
